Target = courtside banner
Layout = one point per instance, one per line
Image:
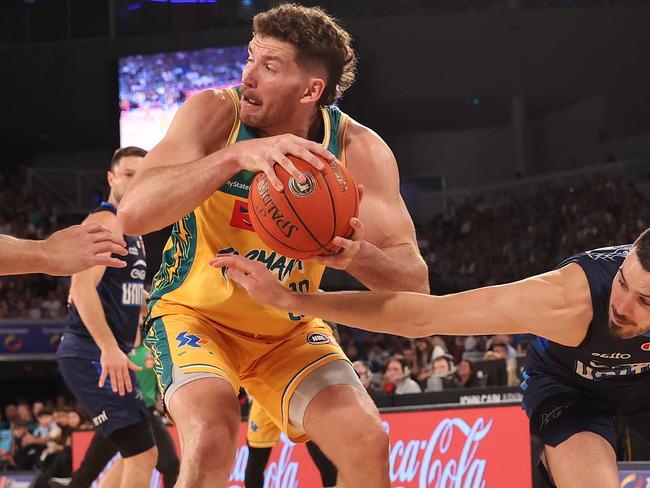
(456, 448)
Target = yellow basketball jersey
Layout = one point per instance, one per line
(187, 284)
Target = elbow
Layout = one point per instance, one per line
(130, 222)
(420, 283)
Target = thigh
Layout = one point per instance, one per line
(185, 349)
(584, 460)
(274, 377)
(571, 421)
(262, 431)
(109, 411)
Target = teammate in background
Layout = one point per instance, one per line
(589, 364)
(209, 337)
(262, 436)
(67, 251)
(104, 316)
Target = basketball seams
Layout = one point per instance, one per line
(253, 215)
(311, 234)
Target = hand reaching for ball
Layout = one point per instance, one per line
(258, 281)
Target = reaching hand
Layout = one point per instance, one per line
(80, 247)
(116, 366)
(258, 281)
(264, 153)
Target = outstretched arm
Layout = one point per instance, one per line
(65, 252)
(555, 305)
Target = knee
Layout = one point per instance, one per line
(147, 458)
(369, 438)
(212, 437)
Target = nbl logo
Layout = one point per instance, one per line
(317, 338)
(303, 190)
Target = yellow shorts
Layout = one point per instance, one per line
(269, 368)
(262, 432)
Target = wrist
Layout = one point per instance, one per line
(40, 255)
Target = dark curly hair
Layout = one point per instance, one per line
(318, 38)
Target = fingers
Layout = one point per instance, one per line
(320, 150)
(110, 247)
(107, 261)
(127, 378)
(114, 381)
(102, 377)
(102, 233)
(273, 179)
(239, 262)
(288, 166)
(361, 189)
(134, 367)
(307, 156)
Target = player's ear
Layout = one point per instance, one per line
(313, 91)
(110, 177)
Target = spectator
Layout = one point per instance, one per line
(397, 379)
(443, 374)
(51, 306)
(465, 377)
(364, 371)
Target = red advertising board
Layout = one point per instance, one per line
(456, 448)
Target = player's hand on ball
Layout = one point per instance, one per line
(116, 366)
(80, 247)
(264, 153)
(258, 281)
(349, 248)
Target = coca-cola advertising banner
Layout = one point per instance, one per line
(461, 448)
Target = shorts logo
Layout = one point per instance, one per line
(317, 338)
(553, 414)
(646, 346)
(254, 426)
(302, 190)
(185, 339)
(100, 419)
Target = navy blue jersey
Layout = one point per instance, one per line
(602, 366)
(120, 292)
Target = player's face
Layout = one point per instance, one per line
(273, 84)
(122, 175)
(629, 306)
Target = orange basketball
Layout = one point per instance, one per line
(302, 220)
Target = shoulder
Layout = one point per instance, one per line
(368, 156)
(106, 218)
(206, 117)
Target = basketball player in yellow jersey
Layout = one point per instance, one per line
(207, 336)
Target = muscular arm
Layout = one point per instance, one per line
(64, 252)
(555, 305)
(389, 258)
(185, 168)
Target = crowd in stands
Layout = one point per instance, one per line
(164, 80)
(25, 215)
(36, 436)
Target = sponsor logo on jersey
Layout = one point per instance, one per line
(132, 293)
(317, 338)
(191, 340)
(612, 355)
(302, 190)
(594, 370)
(645, 346)
(240, 216)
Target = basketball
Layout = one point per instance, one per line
(301, 221)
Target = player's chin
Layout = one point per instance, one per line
(622, 331)
(252, 116)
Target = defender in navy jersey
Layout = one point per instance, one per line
(105, 305)
(590, 364)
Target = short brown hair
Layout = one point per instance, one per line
(642, 249)
(125, 152)
(317, 38)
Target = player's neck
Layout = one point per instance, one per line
(112, 200)
(308, 126)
